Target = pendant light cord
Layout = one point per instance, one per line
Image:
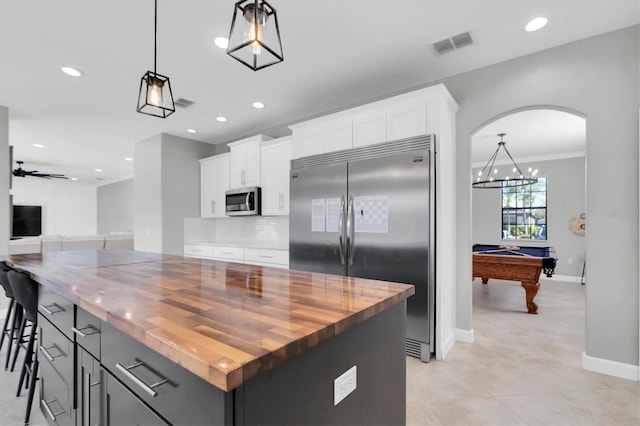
(155, 37)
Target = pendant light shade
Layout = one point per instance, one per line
(155, 96)
(254, 38)
(491, 177)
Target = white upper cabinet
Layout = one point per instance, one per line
(214, 181)
(369, 127)
(387, 120)
(244, 164)
(406, 119)
(276, 163)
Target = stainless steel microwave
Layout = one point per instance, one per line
(243, 201)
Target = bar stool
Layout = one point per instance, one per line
(25, 291)
(14, 313)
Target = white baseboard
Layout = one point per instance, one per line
(466, 336)
(446, 345)
(612, 368)
(565, 278)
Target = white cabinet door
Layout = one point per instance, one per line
(369, 127)
(406, 120)
(267, 257)
(214, 181)
(244, 166)
(198, 250)
(307, 143)
(337, 136)
(276, 163)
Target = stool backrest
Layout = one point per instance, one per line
(25, 291)
(4, 281)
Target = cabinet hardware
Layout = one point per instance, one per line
(48, 311)
(80, 331)
(145, 387)
(227, 252)
(213, 206)
(47, 354)
(266, 257)
(51, 414)
(196, 250)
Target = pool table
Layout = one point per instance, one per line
(516, 263)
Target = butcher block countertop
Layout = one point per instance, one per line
(225, 322)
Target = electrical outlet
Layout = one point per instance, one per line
(344, 385)
(570, 261)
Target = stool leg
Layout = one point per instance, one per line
(32, 386)
(19, 338)
(17, 318)
(28, 356)
(6, 322)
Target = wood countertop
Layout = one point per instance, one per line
(225, 322)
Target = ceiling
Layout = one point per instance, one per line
(338, 53)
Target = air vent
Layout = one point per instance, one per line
(450, 44)
(183, 103)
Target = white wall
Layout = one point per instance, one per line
(166, 190)
(115, 207)
(596, 78)
(68, 208)
(565, 198)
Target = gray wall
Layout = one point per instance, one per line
(565, 198)
(180, 187)
(166, 190)
(115, 207)
(5, 232)
(598, 79)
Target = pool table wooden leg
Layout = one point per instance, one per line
(531, 289)
(485, 280)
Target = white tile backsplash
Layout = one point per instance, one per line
(238, 230)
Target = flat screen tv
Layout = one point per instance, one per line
(27, 221)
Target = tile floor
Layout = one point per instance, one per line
(522, 369)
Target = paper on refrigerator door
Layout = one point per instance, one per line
(317, 215)
(333, 214)
(371, 214)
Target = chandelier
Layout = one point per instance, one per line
(489, 176)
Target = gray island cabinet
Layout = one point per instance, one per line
(136, 338)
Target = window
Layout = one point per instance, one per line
(524, 211)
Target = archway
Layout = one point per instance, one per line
(552, 140)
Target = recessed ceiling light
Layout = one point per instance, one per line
(536, 24)
(258, 105)
(38, 145)
(98, 170)
(191, 130)
(128, 159)
(221, 42)
(71, 71)
(74, 178)
(221, 119)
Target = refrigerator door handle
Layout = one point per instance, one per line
(350, 230)
(341, 239)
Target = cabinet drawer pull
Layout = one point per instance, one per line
(145, 387)
(47, 354)
(48, 311)
(82, 333)
(266, 257)
(227, 252)
(51, 414)
(196, 250)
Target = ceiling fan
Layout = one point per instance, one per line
(20, 172)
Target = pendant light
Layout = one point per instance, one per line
(254, 38)
(489, 176)
(155, 96)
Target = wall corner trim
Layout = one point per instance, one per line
(465, 336)
(445, 347)
(611, 368)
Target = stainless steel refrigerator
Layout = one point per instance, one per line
(368, 212)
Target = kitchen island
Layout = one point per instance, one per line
(195, 341)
